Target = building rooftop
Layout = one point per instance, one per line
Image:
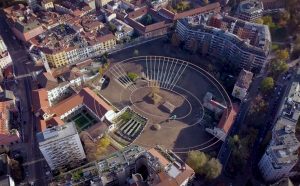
(85, 97)
(252, 37)
(212, 7)
(285, 145)
(5, 106)
(244, 80)
(56, 133)
(22, 18)
(250, 6)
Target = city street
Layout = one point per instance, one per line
(35, 172)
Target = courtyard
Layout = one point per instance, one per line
(83, 120)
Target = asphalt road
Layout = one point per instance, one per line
(35, 172)
(276, 102)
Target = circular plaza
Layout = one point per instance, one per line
(168, 93)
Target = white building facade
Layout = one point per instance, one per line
(5, 59)
(282, 153)
(61, 146)
(225, 45)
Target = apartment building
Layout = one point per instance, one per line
(158, 26)
(250, 10)
(47, 4)
(5, 59)
(226, 112)
(61, 146)
(56, 58)
(59, 113)
(282, 153)
(274, 4)
(242, 43)
(127, 166)
(23, 22)
(63, 45)
(3, 47)
(123, 30)
(8, 135)
(210, 8)
(242, 84)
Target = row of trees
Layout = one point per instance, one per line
(276, 67)
(94, 149)
(203, 164)
(241, 147)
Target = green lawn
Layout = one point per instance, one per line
(81, 121)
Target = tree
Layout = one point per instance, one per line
(112, 27)
(259, 21)
(132, 76)
(282, 54)
(175, 40)
(212, 168)
(277, 67)
(193, 46)
(268, 21)
(102, 145)
(267, 84)
(234, 140)
(16, 169)
(126, 116)
(196, 160)
(284, 18)
(104, 142)
(147, 20)
(258, 105)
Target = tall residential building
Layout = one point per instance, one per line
(242, 43)
(5, 59)
(2, 45)
(282, 153)
(250, 10)
(61, 146)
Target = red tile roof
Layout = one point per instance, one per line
(40, 100)
(228, 117)
(86, 97)
(213, 7)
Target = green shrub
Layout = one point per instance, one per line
(132, 76)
